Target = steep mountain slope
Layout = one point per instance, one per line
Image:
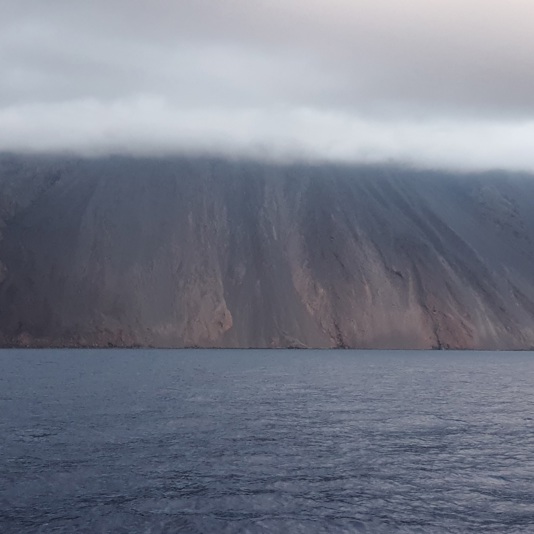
(207, 252)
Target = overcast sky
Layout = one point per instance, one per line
(431, 82)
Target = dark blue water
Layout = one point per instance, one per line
(257, 441)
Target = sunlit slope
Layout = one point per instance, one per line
(205, 252)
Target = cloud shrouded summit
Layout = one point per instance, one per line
(447, 82)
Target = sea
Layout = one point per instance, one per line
(266, 441)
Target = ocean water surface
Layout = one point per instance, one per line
(126, 441)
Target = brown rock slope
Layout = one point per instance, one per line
(205, 252)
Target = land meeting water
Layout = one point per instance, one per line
(124, 441)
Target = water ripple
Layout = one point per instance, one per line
(259, 441)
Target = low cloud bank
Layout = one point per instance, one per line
(152, 126)
(446, 83)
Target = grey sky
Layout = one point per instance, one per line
(436, 82)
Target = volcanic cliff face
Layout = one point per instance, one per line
(206, 252)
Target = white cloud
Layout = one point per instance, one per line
(150, 125)
(433, 82)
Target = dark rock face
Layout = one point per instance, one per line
(205, 252)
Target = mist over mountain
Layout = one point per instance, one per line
(184, 251)
(447, 83)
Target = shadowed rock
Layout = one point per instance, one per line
(205, 252)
